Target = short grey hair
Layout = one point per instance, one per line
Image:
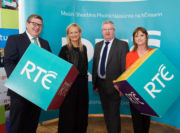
(108, 22)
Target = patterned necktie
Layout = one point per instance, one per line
(35, 41)
(103, 59)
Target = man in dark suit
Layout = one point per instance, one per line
(108, 64)
(24, 115)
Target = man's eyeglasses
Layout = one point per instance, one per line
(108, 29)
(36, 24)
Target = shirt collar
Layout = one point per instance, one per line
(109, 41)
(30, 37)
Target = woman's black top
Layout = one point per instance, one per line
(76, 57)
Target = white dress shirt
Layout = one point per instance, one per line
(99, 65)
(31, 39)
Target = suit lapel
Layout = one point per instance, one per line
(111, 51)
(26, 39)
(99, 51)
(28, 42)
(42, 44)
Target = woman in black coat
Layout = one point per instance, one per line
(73, 116)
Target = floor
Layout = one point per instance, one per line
(96, 125)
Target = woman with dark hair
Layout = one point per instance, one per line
(141, 123)
(73, 116)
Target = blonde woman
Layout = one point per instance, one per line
(73, 116)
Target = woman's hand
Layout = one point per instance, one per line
(117, 88)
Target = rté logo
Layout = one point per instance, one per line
(159, 78)
(31, 69)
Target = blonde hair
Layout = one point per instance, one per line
(69, 43)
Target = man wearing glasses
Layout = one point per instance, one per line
(24, 115)
(108, 64)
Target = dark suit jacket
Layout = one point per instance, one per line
(115, 64)
(15, 47)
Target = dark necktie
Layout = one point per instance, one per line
(103, 59)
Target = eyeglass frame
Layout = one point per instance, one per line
(108, 29)
(36, 24)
